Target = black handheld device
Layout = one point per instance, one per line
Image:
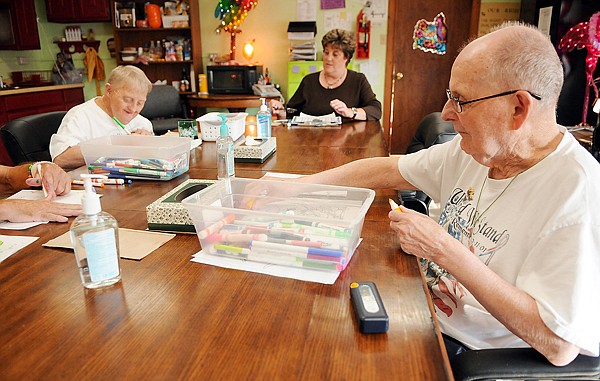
(368, 308)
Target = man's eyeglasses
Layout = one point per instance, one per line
(457, 103)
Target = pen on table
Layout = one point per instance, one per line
(121, 125)
(80, 182)
(393, 205)
(39, 169)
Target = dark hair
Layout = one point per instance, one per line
(341, 39)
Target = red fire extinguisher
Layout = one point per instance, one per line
(363, 39)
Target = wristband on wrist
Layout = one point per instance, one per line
(32, 169)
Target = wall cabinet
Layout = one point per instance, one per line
(18, 25)
(77, 11)
(22, 102)
(135, 38)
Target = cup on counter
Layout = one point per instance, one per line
(188, 128)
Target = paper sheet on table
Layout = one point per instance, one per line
(133, 244)
(307, 275)
(11, 244)
(317, 121)
(74, 197)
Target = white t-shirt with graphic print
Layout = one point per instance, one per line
(539, 231)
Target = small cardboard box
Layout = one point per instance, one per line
(177, 21)
(254, 153)
(168, 214)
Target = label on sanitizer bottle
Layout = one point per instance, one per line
(102, 257)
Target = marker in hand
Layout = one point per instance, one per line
(121, 125)
(39, 170)
(393, 205)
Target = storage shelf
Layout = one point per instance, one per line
(72, 47)
(146, 30)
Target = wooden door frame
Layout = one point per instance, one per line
(390, 70)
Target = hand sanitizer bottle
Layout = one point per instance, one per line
(95, 238)
(263, 120)
(225, 165)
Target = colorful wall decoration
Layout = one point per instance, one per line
(431, 37)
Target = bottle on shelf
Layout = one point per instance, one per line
(95, 238)
(184, 83)
(263, 121)
(225, 163)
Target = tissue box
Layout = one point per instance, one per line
(254, 154)
(210, 125)
(168, 214)
(138, 156)
(279, 222)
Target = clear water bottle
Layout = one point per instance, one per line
(263, 121)
(225, 165)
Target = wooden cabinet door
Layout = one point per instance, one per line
(416, 80)
(19, 25)
(93, 10)
(60, 10)
(27, 29)
(77, 10)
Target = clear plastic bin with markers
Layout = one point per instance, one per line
(137, 156)
(280, 222)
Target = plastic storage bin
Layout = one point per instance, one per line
(284, 223)
(138, 156)
(210, 125)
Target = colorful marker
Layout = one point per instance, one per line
(393, 205)
(296, 249)
(121, 125)
(236, 237)
(94, 183)
(212, 229)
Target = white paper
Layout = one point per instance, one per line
(307, 275)
(544, 20)
(337, 19)
(306, 10)
(74, 197)
(11, 244)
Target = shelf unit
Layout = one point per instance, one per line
(137, 37)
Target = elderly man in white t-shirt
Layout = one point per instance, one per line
(515, 257)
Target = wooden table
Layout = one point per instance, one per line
(233, 102)
(171, 319)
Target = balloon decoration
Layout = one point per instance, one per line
(585, 35)
(232, 13)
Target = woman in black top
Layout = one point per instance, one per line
(334, 89)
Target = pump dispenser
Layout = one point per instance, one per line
(95, 238)
(225, 164)
(263, 120)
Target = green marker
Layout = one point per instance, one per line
(121, 125)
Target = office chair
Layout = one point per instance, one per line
(431, 130)
(164, 108)
(27, 139)
(520, 364)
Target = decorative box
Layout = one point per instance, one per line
(254, 153)
(168, 214)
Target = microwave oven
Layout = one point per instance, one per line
(230, 79)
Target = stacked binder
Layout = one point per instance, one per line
(302, 40)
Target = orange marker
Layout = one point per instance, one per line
(393, 205)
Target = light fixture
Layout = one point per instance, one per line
(249, 50)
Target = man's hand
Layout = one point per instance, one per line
(37, 211)
(56, 181)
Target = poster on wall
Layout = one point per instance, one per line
(333, 4)
(494, 12)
